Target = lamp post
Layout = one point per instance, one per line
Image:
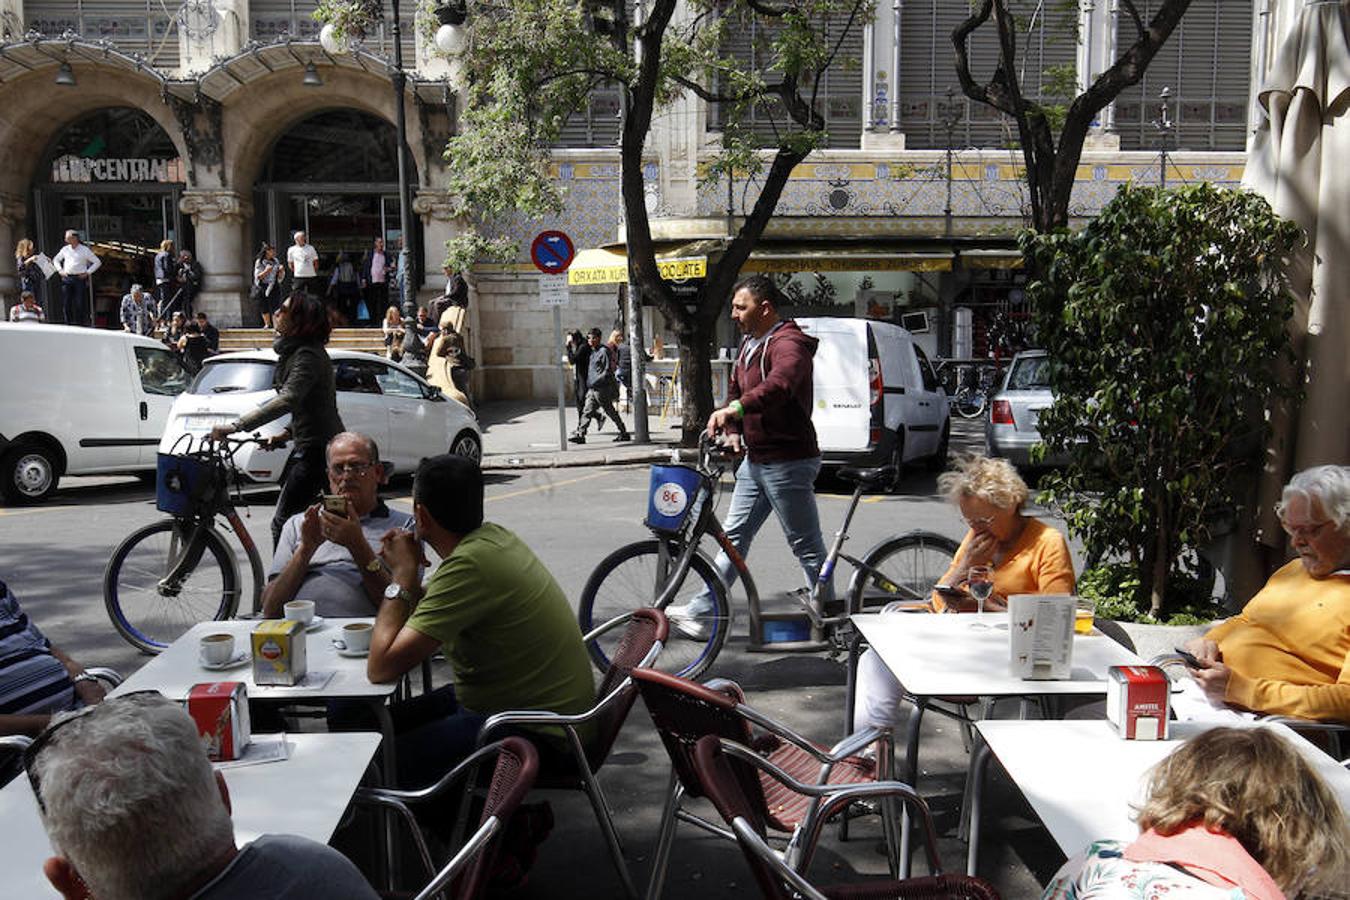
(1164, 125)
(950, 115)
(398, 78)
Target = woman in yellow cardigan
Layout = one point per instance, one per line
(1027, 556)
(1288, 652)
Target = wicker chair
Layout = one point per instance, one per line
(726, 771)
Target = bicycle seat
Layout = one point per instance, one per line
(869, 477)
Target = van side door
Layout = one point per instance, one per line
(159, 378)
(930, 406)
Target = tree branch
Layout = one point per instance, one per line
(1134, 16)
(766, 9)
(711, 96)
(969, 86)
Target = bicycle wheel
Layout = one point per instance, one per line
(970, 403)
(628, 579)
(902, 568)
(151, 614)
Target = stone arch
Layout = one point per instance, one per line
(32, 117)
(257, 115)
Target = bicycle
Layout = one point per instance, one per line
(972, 397)
(168, 576)
(681, 512)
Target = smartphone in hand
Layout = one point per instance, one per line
(335, 504)
(1191, 660)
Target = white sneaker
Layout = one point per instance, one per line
(689, 623)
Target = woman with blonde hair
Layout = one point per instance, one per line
(1023, 555)
(28, 271)
(393, 334)
(1233, 813)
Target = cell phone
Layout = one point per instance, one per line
(335, 504)
(947, 590)
(1189, 658)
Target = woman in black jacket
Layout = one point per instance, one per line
(305, 389)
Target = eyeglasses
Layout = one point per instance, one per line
(979, 522)
(337, 470)
(1306, 532)
(48, 735)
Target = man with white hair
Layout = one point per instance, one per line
(1288, 651)
(76, 263)
(303, 260)
(134, 812)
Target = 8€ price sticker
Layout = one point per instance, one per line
(670, 499)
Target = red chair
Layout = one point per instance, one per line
(643, 638)
(684, 712)
(727, 770)
(466, 874)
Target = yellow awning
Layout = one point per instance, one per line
(991, 259)
(610, 266)
(828, 259)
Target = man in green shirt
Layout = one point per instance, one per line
(504, 623)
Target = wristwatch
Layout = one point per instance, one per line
(396, 591)
(83, 676)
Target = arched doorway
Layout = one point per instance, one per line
(115, 177)
(333, 175)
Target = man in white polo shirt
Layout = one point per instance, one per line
(303, 260)
(76, 263)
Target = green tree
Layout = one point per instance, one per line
(1051, 135)
(1163, 317)
(530, 64)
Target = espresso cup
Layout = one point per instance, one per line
(217, 649)
(301, 611)
(356, 636)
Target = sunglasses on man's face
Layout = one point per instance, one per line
(50, 733)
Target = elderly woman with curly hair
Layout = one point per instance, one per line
(1026, 556)
(1233, 813)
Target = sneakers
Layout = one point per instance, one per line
(687, 624)
(577, 439)
(619, 438)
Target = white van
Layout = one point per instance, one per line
(877, 399)
(79, 401)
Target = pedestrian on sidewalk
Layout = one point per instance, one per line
(768, 415)
(602, 389)
(303, 261)
(76, 263)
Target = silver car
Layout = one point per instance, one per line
(1010, 431)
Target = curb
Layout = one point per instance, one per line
(635, 457)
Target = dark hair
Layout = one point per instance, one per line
(193, 328)
(262, 251)
(595, 332)
(201, 314)
(762, 288)
(307, 317)
(450, 488)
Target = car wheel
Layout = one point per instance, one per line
(30, 473)
(898, 461)
(938, 461)
(468, 445)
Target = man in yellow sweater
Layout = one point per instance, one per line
(1288, 651)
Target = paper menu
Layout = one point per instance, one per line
(1040, 636)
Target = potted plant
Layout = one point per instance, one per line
(1165, 323)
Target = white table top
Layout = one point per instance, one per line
(1081, 778)
(178, 668)
(323, 769)
(942, 655)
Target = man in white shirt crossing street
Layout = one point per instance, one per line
(76, 262)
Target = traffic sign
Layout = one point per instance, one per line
(553, 290)
(552, 252)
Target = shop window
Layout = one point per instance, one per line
(337, 146)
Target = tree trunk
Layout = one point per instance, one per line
(1162, 560)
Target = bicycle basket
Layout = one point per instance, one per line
(670, 497)
(185, 483)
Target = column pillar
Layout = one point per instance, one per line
(219, 217)
(881, 79)
(13, 214)
(11, 20)
(203, 40)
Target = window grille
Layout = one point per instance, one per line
(144, 27)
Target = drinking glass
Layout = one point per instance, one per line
(980, 583)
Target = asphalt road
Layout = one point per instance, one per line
(53, 557)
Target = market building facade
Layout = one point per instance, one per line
(219, 124)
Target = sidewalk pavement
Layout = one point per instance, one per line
(523, 434)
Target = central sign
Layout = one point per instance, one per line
(552, 252)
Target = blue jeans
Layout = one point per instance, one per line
(788, 490)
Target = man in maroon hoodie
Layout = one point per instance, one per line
(768, 414)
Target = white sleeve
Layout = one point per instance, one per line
(94, 262)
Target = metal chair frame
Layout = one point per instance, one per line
(724, 700)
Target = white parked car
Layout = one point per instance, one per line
(80, 401)
(408, 418)
(877, 400)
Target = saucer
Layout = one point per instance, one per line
(315, 624)
(238, 660)
(352, 654)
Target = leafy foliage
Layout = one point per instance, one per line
(1164, 319)
(1115, 586)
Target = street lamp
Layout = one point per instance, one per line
(950, 115)
(398, 78)
(1164, 125)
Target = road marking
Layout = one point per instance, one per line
(532, 490)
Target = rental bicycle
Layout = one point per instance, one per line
(671, 572)
(171, 574)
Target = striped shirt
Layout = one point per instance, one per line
(32, 680)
